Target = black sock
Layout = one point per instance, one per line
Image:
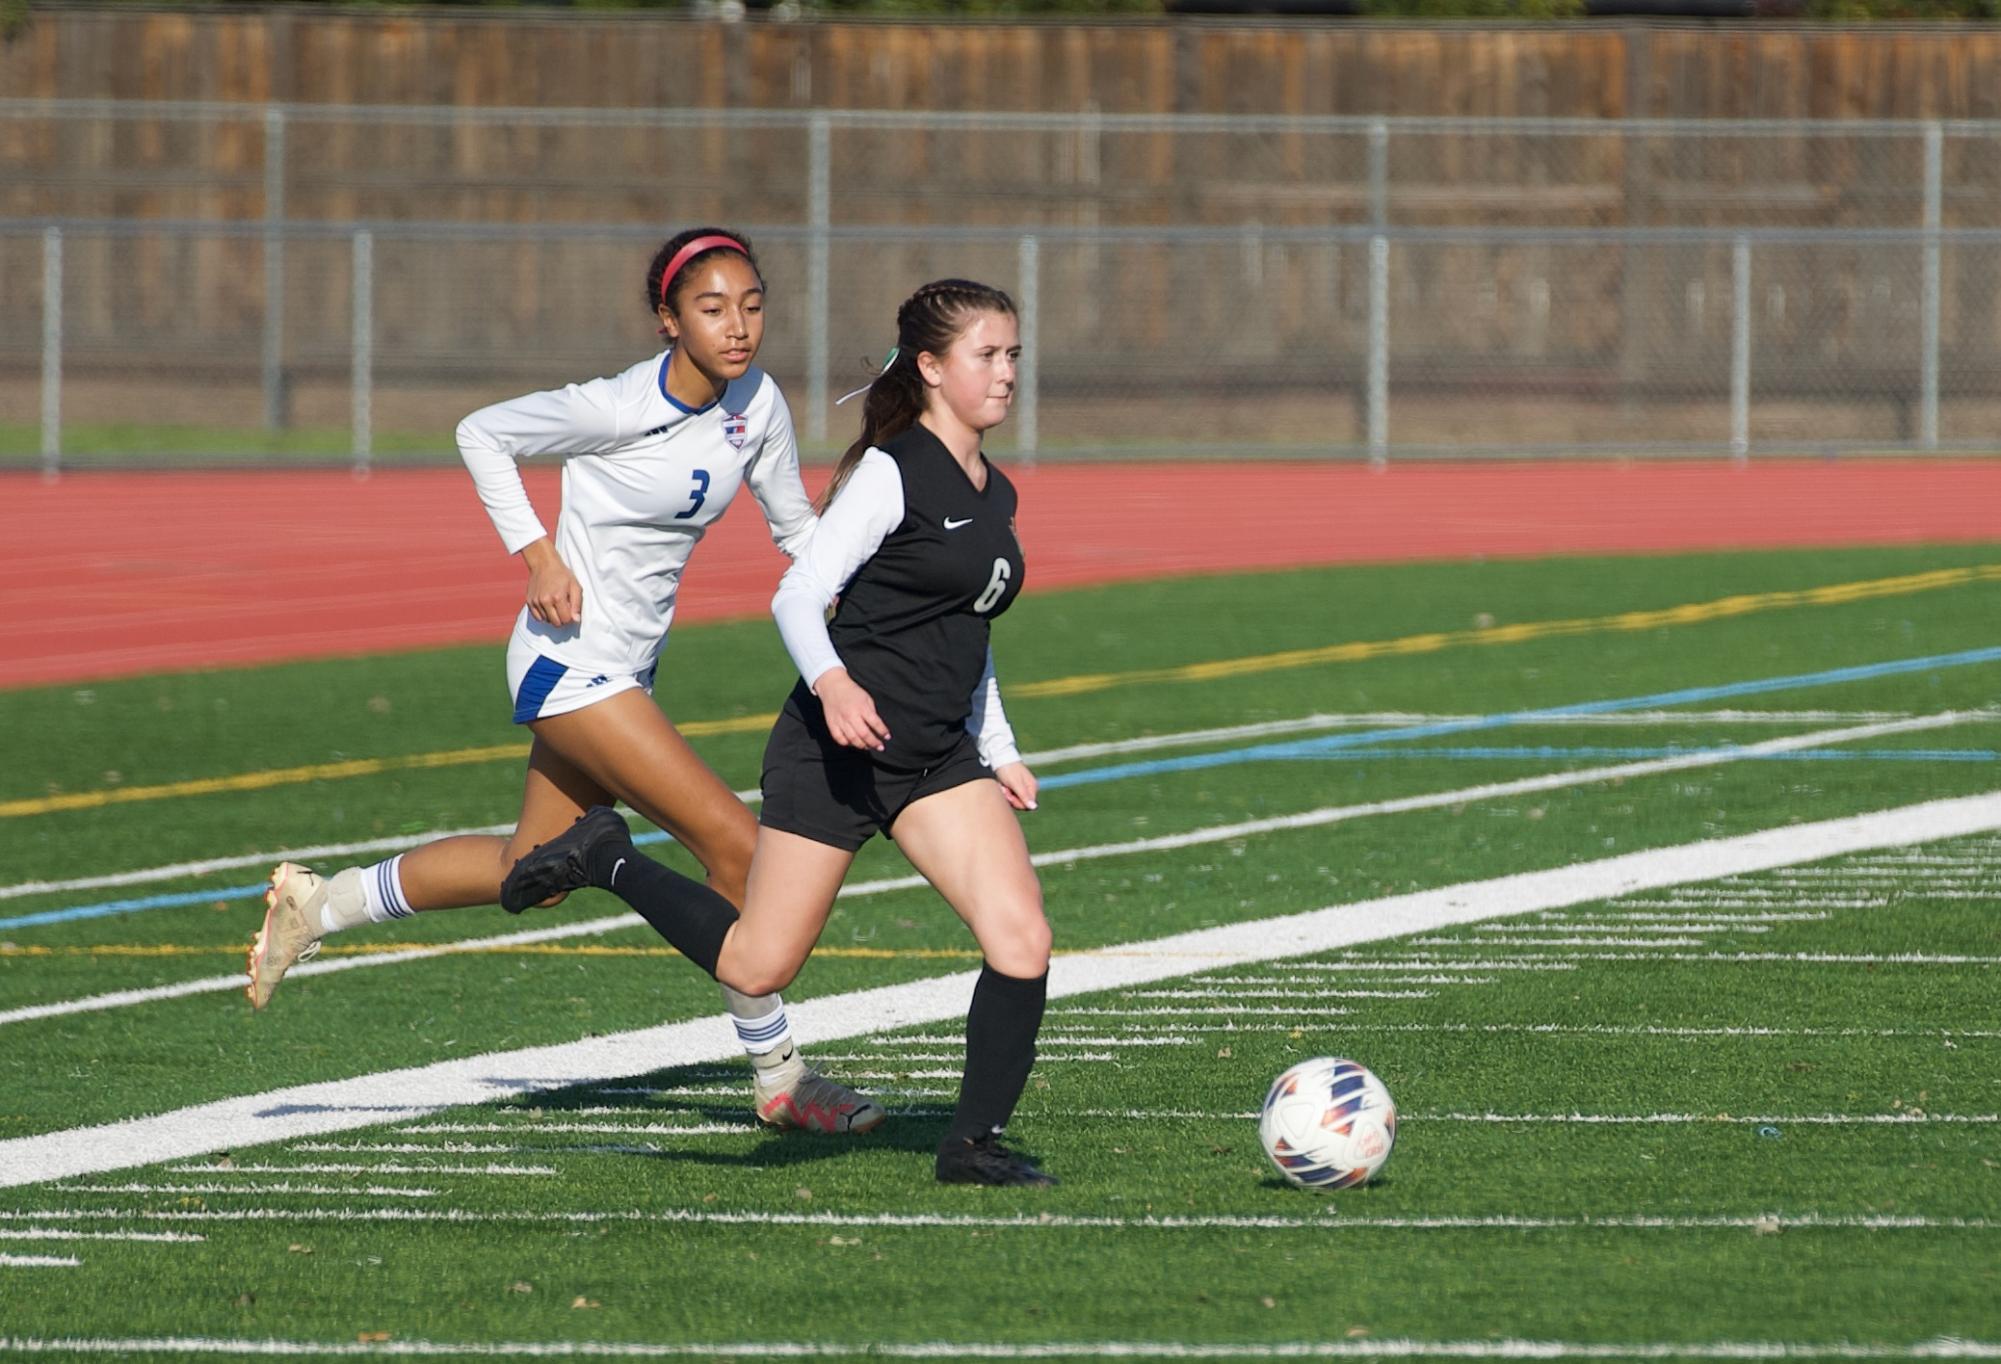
(689, 915)
(1000, 1047)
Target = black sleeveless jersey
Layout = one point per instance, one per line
(911, 626)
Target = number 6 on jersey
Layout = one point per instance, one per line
(995, 586)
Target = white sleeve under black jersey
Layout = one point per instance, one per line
(868, 507)
(575, 420)
(988, 722)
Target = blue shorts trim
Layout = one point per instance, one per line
(543, 675)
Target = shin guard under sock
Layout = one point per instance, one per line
(1000, 1047)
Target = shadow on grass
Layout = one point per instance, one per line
(913, 1128)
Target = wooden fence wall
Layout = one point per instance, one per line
(312, 55)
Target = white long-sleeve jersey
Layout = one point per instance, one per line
(643, 478)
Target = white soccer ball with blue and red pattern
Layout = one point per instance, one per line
(1328, 1123)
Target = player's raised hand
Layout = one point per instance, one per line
(555, 597)
(1018, 783)
(850, 711)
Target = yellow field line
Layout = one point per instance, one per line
(1688, 613)
(356, 767)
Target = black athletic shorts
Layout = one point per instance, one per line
(840, 796)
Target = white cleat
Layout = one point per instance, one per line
(796, 1095)
(291, 929)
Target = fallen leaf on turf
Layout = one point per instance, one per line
(581, 1301)
(521, 1286)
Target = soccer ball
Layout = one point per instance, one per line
(1328, 1123)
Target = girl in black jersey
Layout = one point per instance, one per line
(895, 725)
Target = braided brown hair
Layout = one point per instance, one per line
(929, 320)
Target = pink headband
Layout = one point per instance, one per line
(689, 252)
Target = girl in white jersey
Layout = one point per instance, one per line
(652, 457)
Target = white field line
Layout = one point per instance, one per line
(1910, 1118)
(553, 1148)
(1225, 833)
(1278, 977)
(1151, 1039)
(1535, 940)
(387, 1168)
(368, 1100)
(1278, 994)
(1710, 905)
(1389, 1347)
(1425, 964)
(1768, 917)
(525, 1129)
(1688, 925)
(450, 1148)
(1201, 1010)
(1791, 958)
(180, 871)
(1940, 1034)
(37, 1262)
(59, 1234)
(1041, 1056)
(367, 1191)
(1331, 1220)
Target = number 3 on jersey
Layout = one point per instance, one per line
(995, 586)
(697, 496)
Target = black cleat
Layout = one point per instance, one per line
(563, 863)
(983, 1160)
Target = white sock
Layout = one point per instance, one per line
(345, 906)
(761, 1025)
(382, 891)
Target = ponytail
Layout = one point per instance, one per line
(929, 320)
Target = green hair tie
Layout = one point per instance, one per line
(887, 361)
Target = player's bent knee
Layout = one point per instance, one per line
(1021, 949)
(758, 976)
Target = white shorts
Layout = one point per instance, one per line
(541, 686)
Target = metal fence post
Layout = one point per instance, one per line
(364, 348)
(52, 351)
(1740, 349)
(1929, 300)
(1379, 174)
(1024, 379)
(818, 216)
(276, 414)
(1379, 350)
(1379, 294)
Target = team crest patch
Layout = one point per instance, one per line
(736, 429)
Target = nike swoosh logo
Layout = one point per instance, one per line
(950, 524)
(613, 878)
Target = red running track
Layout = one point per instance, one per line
(113, 574)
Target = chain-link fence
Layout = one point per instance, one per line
(336, 283)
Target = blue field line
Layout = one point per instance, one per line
(178, 899)
(1682, 696)
(1309, 751)
(1291, 750)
